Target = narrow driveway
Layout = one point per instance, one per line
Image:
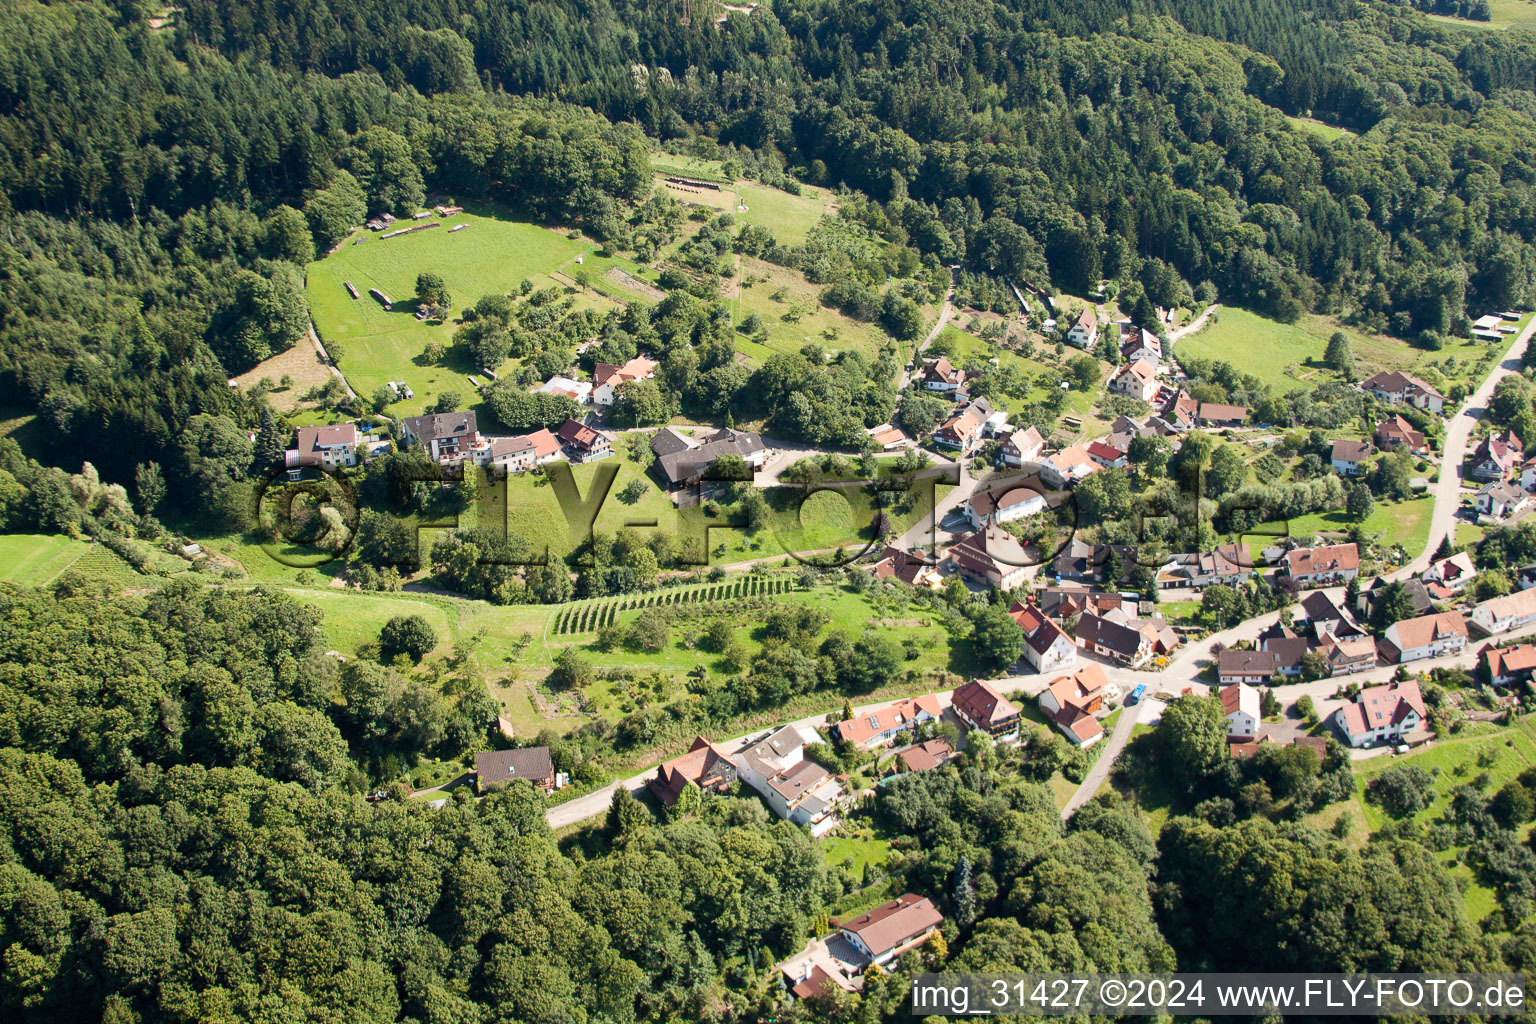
(1194, 325)
(1109, 752)
(944, 314)
(325, 357)
(1458, 435)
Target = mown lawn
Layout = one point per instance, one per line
(857, 852)
(1404, 522)
(35, 559)
(789, 217)
(1504, 14)
(494, 254)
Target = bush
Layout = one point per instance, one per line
(409, 635)
(1402, 790)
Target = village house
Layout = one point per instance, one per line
(1496, 457)
(1419, 598)
(1252, 667)
(1349, 456)
(324, 448)
(994, 507)
(583, 443)
(1219, 416)
(943, 376)
(1240, 706)
(1073, 701)
(1082, 562)
(979, 706)
(913, 570)
(1448, 577)
(1322, 618)
(1501, 499)
(1106, 455)
(1084, 331)
(706, 765)
(888, 931)
(879, 728)
(607, 378)
(1224, 565)
(1137, 343)
(888, 438)
(1180, 411)
(1503, 614)
(796, 789)
(1136, 380)
(1395, 388)
(1528, 474)
(500, 767)
(1068, 466)
(1331, 563)
(963, 429)
(1047, 647)
(1504, 665)
(1062, 603)
(1347, 655)
(1427, 636)
(992, 557)
(922, 757)
(1023, 446)
(1389, 714)
(446, 436)
(681, 460)
(1115, 640)
(1397, 434)
(579, 391)
(1287, 652)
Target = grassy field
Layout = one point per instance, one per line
(1289, 356)
(1505, 14)
(493, 254)
(796, 316)
(1502, 754)
(301, 363)
(1405, 523)
(1326, 132)
(36, 560)
(789, 217)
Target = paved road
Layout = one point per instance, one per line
(1458, 435)
(1111, 748)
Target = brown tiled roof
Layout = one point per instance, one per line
(981, 703)
(531, 763)
(1426, 629)
(673, 776)
(1351, 451)
(1329, 558)
(895, 923)
(1245, 663)
(923, 757)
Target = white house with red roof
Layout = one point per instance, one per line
(1072, 703)
(1106, 455)
(1240, 706)
(1382, 714)
(1084, 330)
(1047, 647)
(607, 378)
(1329, 563)
(1394, 388)
(1137, 380)
(1427, 636)
(980, 706)
(1023, 446)
(888, 931)
(1003, 505)
(879, 728)
(325, 447)
(1502, 614)
(1068, 466)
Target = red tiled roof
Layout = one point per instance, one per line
(981, 703)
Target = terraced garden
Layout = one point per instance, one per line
(590, 616)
